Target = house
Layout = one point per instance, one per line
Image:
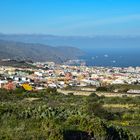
(2, 83)
(86, 82)
(10, 85)
(118, 81)
(133, 91)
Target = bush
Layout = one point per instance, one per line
(51, 90)
(103, 89)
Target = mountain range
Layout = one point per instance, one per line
(82, 42)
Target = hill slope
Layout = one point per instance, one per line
(37, 52)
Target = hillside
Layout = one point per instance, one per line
(37, 52)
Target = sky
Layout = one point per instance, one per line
(70, 17)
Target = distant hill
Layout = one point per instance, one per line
(37, 52)
(82, 42)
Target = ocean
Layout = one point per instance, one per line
(113, 57)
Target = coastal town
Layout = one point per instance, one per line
(48, 74)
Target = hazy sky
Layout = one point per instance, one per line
(70, 17)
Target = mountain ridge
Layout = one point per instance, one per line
(81, 42)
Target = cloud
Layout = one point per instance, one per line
(104, 21)
(84, 24)
(89, 25)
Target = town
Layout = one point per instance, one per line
(48, 74)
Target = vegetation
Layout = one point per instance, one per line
(120, 88)
(49, 115)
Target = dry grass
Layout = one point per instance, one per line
(87, 93)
